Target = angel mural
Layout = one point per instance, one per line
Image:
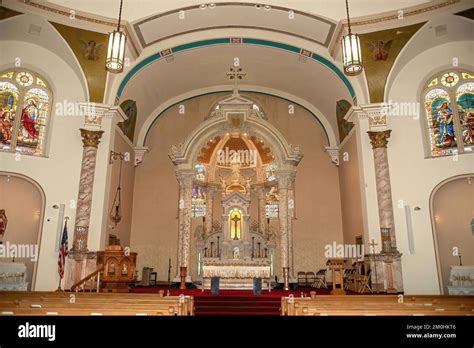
(380, 49)
(91, 49)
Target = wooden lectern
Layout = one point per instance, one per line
(336, 265)
(118, 268)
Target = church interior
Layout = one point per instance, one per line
(287, 158)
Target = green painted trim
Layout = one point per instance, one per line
(230, 91)
(223, 41)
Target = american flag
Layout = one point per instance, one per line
(62, 252)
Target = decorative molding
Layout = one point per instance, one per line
(333, 152)
(140, 152)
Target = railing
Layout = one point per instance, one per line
(93, 278)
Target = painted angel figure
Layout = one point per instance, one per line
(91, 49)
(380, 50)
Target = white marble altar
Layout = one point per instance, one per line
(462, 280)
(13, 276)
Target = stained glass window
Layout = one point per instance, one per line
(25, 106)
(271, 206)
(200, 171)
(465, 103)
(8, 106)
(198, 207)
(449, 108)
(270, 172)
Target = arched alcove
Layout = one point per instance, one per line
(452, 213)
(23, 201)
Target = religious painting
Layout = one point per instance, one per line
(8, 106)
(25, 103)
(440, 121)
(129, 107)
(379, 52)
(465, 104)
(89, 49)
(33, 117)
(449, 107)
(344, 127)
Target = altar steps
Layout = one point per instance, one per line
(237, 305)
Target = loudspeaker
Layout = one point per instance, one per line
(215, 285)
(257, 286)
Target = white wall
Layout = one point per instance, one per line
(58, 174)
(414, 177)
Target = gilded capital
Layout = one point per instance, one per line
(91, 138)
(379, 139)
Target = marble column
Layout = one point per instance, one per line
(209, 210)
(283, 184)
(185, 205)
(262, 217)
(90, 139)
(180, 229)
(291, 215)
(379, 141)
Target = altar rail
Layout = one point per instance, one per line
(86, 304)
(368, 305)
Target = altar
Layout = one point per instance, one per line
(13, 276)
(462, 280)
(235, 273)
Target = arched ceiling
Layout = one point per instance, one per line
(267, 69)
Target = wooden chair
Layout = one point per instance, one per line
(349, 279)
(301, 278)
(310, 278)
(320, 279)
(364, 282)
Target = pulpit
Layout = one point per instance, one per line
(336, 265)
(118, 268)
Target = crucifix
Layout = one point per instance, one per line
(372, 245)
(236, 73)
(236, 220)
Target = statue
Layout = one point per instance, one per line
(3, 223)
(235, 253)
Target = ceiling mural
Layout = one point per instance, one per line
(90, 49)
(7, 13)
(344, 127)
(379, 51)
(129, 107)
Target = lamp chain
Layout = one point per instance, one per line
(348, 20)
(120, 15)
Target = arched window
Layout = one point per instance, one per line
(25, 106)
(198, 200)
(449, 108)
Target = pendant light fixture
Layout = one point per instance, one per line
(351, 52)
(116, 48)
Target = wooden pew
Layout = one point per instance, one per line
(378, 305)
(63, 303)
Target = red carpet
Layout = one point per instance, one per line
(234, 302)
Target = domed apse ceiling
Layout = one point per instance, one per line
(267, 69)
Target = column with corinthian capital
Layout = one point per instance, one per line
(291, 216)
(262, 217)
(379, 141)
(390, 257)
(209, 209)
